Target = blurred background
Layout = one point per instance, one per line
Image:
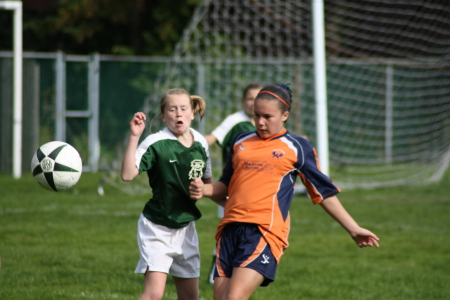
(388, 76)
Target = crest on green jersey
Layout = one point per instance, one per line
(196, 169)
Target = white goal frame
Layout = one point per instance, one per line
(16, 7)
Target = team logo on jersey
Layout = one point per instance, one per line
(277, 153)
(265, 259)
(241, 147)
(196, 169)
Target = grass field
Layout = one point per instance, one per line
(77, 244)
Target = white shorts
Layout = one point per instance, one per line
(168, 250)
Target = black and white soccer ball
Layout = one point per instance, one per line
(56, 166)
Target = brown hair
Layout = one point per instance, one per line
(251, 86)
(198, 105)
(281, 93)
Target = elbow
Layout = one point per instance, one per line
(128, 174)
(126, 177)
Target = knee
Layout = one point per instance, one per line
(152, 296)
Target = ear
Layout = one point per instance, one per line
(285, 116)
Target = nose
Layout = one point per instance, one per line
(259, 121)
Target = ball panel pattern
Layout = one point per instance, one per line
(56, 166)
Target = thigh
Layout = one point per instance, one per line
(154, 285)
(187, 288)
(242, 284)
(220, 287)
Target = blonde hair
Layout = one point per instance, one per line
(198, 105)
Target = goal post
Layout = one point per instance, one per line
(379, 106)
(320, 84)
(16, 7)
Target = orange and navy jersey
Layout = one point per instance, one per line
(261, 174)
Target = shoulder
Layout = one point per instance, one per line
(198, 137)
(153, 138)
(234, 119)
(242, 136)
(298, 139)
(227, 125)
(299, 143)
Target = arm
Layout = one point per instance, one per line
(362, 237)
(211, 139)
(216, 191)
(129, 170)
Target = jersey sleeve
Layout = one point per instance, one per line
(145, 157)
(202, 140)
(318, 185)
(208, 171)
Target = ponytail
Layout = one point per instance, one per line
(198, 105)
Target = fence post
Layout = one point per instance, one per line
(388, 112)
(201, 89)
(60, 97)
(93, 96)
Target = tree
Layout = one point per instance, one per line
(135, 27)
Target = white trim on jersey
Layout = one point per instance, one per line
(166, 134)
(222, 130)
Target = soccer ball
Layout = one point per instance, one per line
(56, 166)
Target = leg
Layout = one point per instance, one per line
(242, 284)
(154, 285)
(187, 288)
(220, 212)
(220, 287)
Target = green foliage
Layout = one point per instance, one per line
(122, 27)
(77, 244)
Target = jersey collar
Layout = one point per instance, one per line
(273, 137)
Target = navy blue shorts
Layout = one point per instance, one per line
(242, 245)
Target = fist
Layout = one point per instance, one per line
(196, 189)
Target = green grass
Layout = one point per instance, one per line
(77, 244)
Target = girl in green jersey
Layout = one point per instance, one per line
(172, 157)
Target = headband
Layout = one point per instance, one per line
(282, 101)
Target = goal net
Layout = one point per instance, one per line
(388, 79)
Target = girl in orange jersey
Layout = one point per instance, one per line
(259, 179)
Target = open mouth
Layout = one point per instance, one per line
(180, 123)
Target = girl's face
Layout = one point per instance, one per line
(178, 114)
(249, 101)
(269, 120)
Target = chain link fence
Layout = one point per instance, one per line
(125, 83)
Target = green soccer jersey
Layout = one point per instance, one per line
(229, 128)
(170, 167)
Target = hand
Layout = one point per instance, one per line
(364, 238)
(137, 125)
(196, 189)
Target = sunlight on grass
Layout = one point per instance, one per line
(79, 245)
